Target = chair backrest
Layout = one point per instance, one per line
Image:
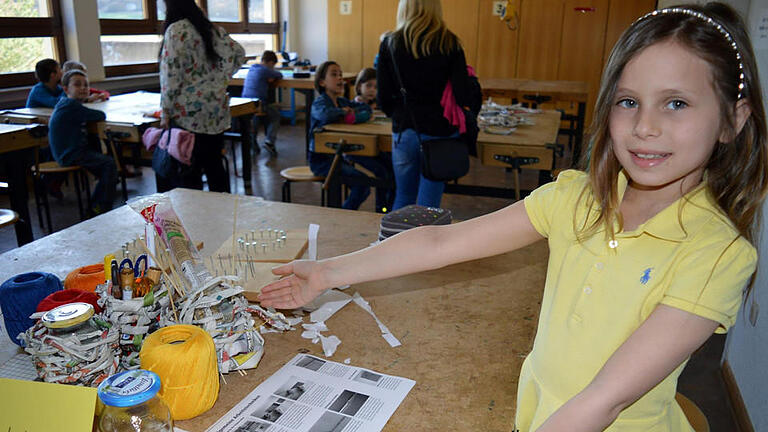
(695, 417)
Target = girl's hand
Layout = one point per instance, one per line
(303, 282)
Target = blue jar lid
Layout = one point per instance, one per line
(129, 388)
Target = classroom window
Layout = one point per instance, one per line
(30, 30)
(122, 9)
(161, 10)
(224, 10)
(25, 8)
(131, 49)
(131, 30)
(260, 11)
(255, 44)
(21, 54)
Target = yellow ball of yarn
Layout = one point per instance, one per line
(184, 357)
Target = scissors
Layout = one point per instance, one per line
(135, 265)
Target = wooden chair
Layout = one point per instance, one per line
(79, 175)
(300, 174)
(694, 415)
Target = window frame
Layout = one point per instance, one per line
(21, 27)
(151, 25)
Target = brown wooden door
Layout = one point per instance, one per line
(621, 14)
(497, 44)
(541, 31)
(345, 35)
(379, 16)
(461, 18)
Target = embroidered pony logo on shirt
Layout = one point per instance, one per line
(646, 276)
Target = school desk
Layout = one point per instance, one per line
(525, 90)
(306, 86)
(16, 143)
(465, 329)
(530, 146)
(127, 120)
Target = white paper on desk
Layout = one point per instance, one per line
(327, 304)
(310, 394)
(385, 333)
(312, 238)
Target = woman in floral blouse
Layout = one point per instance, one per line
(197, 60)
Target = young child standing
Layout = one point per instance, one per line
(331, 107)
(650, 248)
(69, 145)
(260, 77)
(365, 87)
(47, 91)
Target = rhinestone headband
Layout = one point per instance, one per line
(711, 22)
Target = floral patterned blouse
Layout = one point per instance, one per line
(194, 91)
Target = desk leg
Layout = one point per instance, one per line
(19, 195)
(310, 97)
(580, 118)
(245, 123)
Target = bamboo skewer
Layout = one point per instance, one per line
(167, 275)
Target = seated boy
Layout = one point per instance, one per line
(256, 85)
(68, 139)
(47, 91)
(95, 95)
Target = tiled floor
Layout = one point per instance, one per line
(701, 380)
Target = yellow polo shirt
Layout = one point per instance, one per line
(688, 256)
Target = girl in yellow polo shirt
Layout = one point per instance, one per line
(650, 248)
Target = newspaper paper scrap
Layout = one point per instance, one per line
(310, 394)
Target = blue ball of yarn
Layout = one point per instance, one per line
(19, 297)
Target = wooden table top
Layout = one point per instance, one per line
(18, 137)
(465, 328)
(288, 81)
(542, 132)
(133, 108)
(576, 91)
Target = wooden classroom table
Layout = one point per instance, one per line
(530, 146)
(16, 143)
(127, 119)
(306, 86)
(525, 89)
(465, 329)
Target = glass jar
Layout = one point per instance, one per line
(131, 403)
(73, 319)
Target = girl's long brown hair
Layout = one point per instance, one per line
(737, 177)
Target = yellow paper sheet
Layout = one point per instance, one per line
(37, 406)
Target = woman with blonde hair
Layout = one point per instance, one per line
(428, 56)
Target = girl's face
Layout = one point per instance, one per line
(665, 120)
(368, 89)
(77, 88)
(333, 82)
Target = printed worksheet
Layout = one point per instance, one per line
(310, 394)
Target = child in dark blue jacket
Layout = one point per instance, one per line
(257, 82)
(47, 92)
(68, 139)
(331, 107)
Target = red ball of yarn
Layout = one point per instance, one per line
(66, 297)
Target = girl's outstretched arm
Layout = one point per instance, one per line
(412, 251)
(650, 354)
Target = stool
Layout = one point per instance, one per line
(694, 415)
(8, 217)
(41, 195)
(300, 174)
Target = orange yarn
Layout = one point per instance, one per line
(85, 278)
